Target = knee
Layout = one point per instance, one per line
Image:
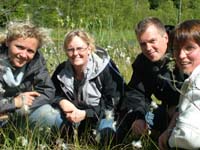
(46, 115)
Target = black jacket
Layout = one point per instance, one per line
(36, 78)
(152, 79)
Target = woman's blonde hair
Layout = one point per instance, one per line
(25, 29)
(83, 35)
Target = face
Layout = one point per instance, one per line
(21, 51)
(187, 57)
(78, 52)
(153, 44)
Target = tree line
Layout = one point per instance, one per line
(97, 14)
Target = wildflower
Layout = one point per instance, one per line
(61, 144)
(137, 144)
(153, 105)
(122, 55)
(42, 147)
(64, 146)
(23, 141)
(109, 47)
(128, 60)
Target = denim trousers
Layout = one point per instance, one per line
(46, 116)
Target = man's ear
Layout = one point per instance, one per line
(166, 37)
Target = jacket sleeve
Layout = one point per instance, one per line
(109, 95)
(136, 99)
(43, 85)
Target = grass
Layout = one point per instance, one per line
(40, 138)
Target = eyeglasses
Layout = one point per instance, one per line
(187, 50)
(78, 49)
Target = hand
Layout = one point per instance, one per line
(67, 106)
(163, 139)
(139, 127)
(76, 115)
(25, 98)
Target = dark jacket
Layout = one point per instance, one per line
(88, 95)
(152, 79)
(36, 78)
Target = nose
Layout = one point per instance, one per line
(182, 54)
(75, 52)
(23, 54)
(148, 46)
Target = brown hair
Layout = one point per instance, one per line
(187, 30)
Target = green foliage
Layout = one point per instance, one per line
(97, 14)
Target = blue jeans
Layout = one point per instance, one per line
(46, 116)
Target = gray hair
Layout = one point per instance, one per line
(145, 23)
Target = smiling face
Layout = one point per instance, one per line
(153, 43)
(21, 51)
(186, 45)
(78, 52)
(187, 56)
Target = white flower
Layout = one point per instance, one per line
(22, 140)
(61, 144)
(128, 60)
(109, 114)
(137, 144)
(153, 105)
(64, 146)
(41, 147)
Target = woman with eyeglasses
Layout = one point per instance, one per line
(183, 130)
(85, 90)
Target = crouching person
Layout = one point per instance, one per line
(25, 85)
(85, 89)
